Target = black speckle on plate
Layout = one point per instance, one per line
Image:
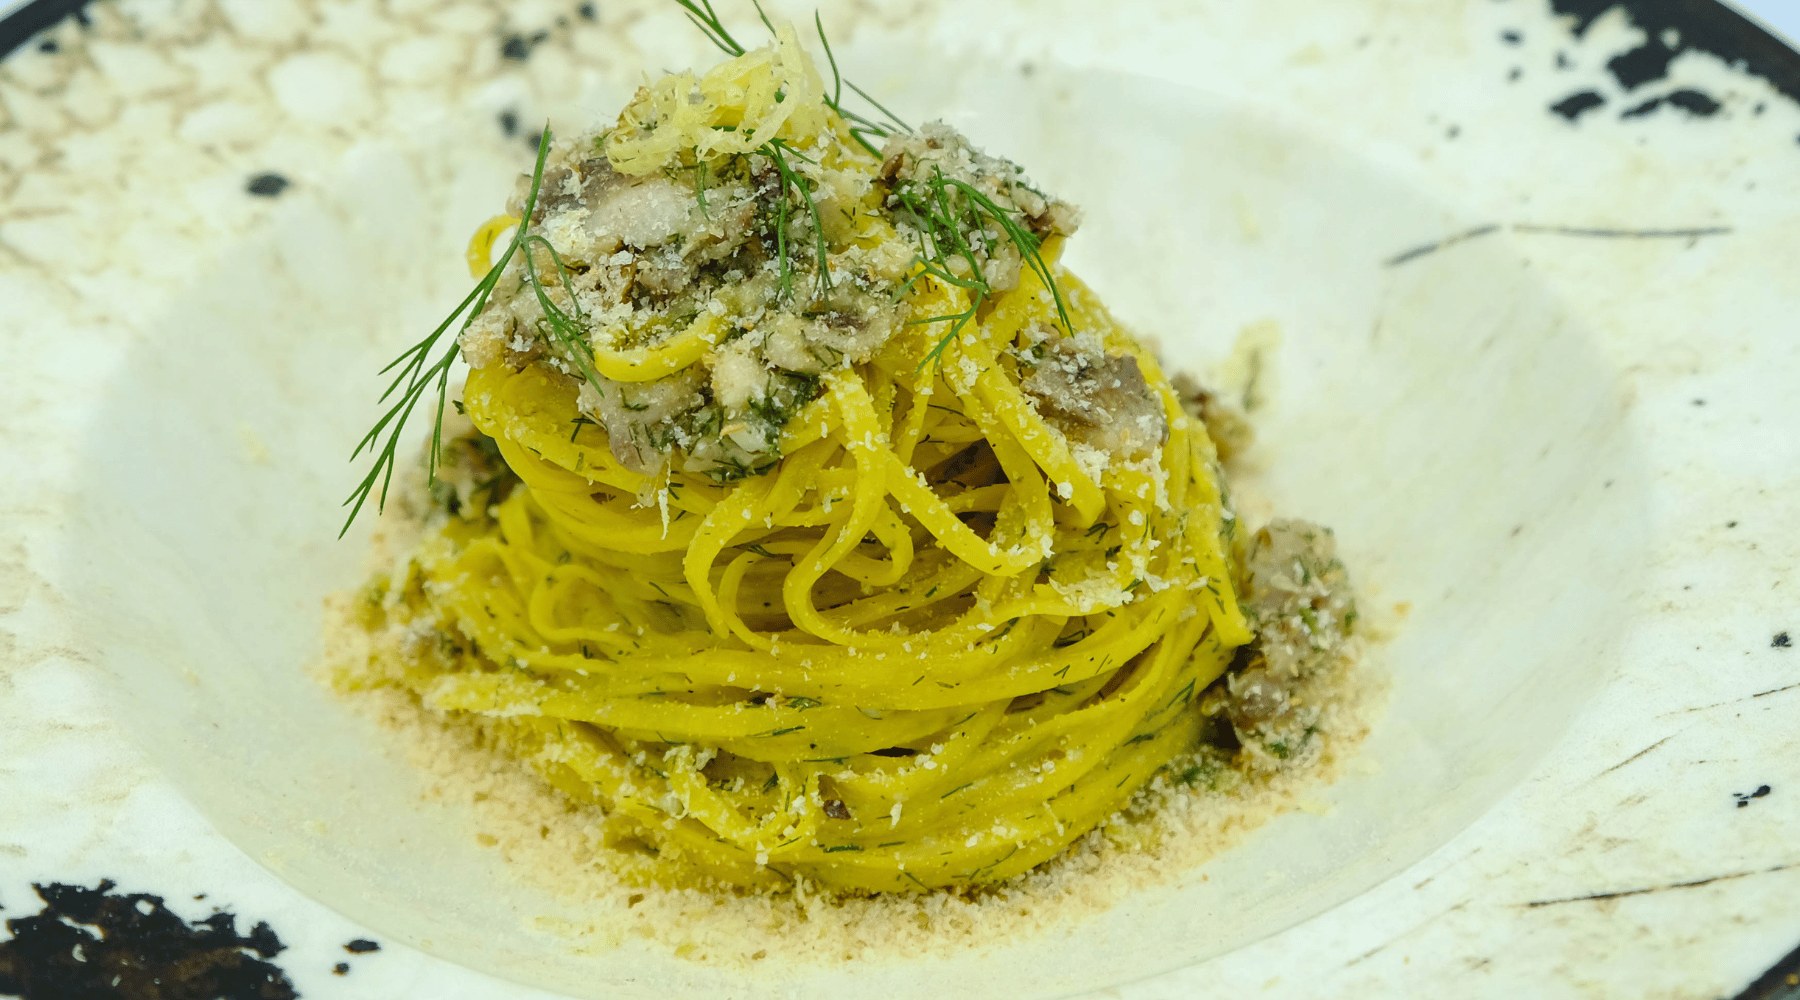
(1694, 102)
(1781, 641)
(1577, 104)
(517, 47)
(361, 946)
(267, 185)
(1743, 798)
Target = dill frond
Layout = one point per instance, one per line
(942, 212)
(417, 373)
(708, 22)
(778, 151)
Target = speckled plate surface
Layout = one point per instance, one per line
(1534, 268)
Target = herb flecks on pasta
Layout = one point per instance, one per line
(809, 520)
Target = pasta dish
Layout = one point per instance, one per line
(801, 514)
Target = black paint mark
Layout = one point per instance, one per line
(1649, 61)
(1513, 74)
(1448, 241)
(1635, 756)
(1703, 25)
(1596, 897)
(48, 45)
(1532, 228)
(1562, 61)
(1622, 234)
(509, 123)
(1730, 524)
(1781, 641)
(1694, 102)
(361, 946)
(1453, 132)
(587, 12)
(1576, 104)
(518, 48)
(140, 951)
(267, 185)
(341, 969)
(1511, 37)
(1743, 798)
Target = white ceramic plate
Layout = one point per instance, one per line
(1535, 367)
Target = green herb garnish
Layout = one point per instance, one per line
(943, 210)
(417, 373)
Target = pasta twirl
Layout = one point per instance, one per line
(812, 522)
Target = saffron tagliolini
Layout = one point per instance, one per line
(809, 520)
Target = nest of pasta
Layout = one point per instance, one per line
(813, 523)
